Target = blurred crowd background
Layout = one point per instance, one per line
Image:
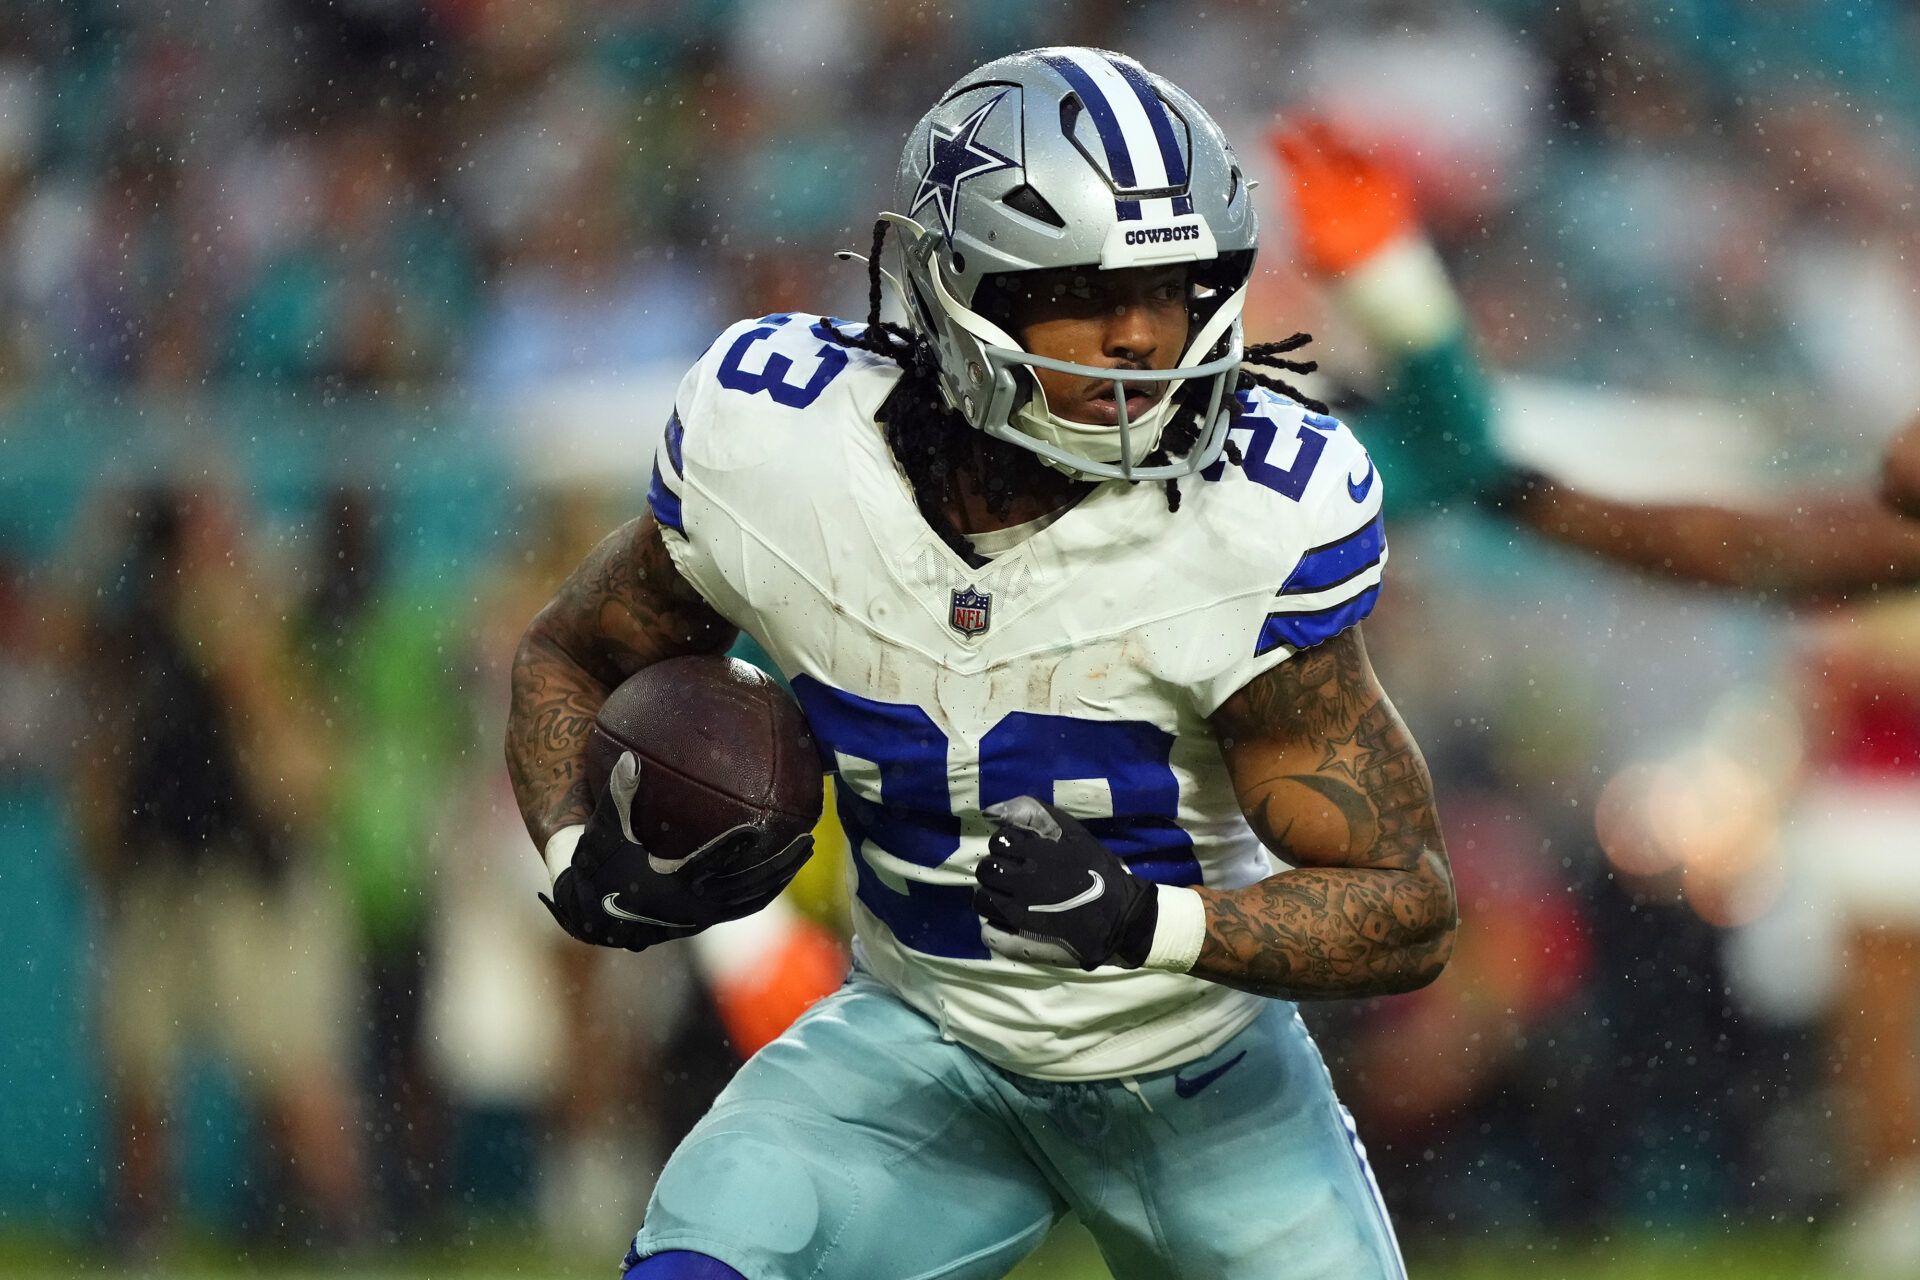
(333, 331)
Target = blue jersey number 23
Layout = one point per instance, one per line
(1025, 753)
(775, 377)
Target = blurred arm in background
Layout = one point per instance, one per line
(1829, 546)
(1900, 476)
(1432, 430)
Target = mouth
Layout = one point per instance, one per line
(1104, 409)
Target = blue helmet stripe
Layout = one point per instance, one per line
(1157, 116)
(1162, 122)
(1112, 139)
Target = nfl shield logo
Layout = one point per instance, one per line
(972, 611)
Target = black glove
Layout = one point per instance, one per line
(616, 894)
(1051, 893)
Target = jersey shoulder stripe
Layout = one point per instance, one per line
(1304, 630)
(663, 501)
(1302, 505)
(1300, 518)
(1332, 563)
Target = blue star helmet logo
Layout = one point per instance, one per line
(954, 157)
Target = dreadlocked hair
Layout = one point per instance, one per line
(1183, 431)
(921, 427)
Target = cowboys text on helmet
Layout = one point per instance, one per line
(1072, 157)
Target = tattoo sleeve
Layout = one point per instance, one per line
(1332, 782)
(624, 607)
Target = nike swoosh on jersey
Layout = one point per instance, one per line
(611, 905)
(1358, 492)
(1187, 1086)
(1080, 899)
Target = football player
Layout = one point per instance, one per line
(1069, 585)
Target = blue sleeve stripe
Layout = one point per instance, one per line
(1304, 630)
(676, 434)
(665, 503)
(1337, 562)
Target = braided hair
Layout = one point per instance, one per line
(924, 431)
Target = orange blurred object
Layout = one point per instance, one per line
(1347, 204)
(758, 1001)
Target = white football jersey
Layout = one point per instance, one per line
(1079, 666)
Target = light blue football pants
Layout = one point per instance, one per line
(861, 1146)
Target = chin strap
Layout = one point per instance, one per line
(1094, 442)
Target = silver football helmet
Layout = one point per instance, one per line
(1073, 157)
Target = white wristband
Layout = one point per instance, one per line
(559, 851)
(1401, 296)
(1179, 930)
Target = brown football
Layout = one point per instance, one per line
(720, 744)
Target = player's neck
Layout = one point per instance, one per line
(1037, 489)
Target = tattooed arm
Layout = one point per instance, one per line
(1332, 782)
(624, 607)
